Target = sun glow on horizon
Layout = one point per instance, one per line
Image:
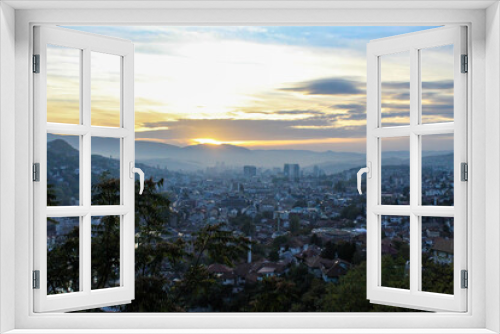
(320, 145)
(211, 141)
(207, 141)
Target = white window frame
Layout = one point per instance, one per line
(85, 297)
(482, 315)
(413, 44)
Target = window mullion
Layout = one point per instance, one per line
(414, 171)
(85, 241)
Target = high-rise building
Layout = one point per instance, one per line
(292, 171)
(249, 171)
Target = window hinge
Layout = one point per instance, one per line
(36, 63)
(465, 279)
(465, 64)
(36, 172)
(464, 168)
(36, 279)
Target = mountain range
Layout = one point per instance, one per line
(199, 157)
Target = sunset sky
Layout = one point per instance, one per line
(258, 87)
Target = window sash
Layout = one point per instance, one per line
(414, 298)
(86, 297)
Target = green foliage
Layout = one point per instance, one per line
(294, 225)
(219, 245)
(274, 295)
(350, 295)
(315, 240)
(330, 251)
(106, 191)
(394, 274)
(63, 264)
(346, 250)
(244, 223)
(437, 277)
(274, 255)
(300, 203)
(280, 241)
(351, 211)
(105, 252)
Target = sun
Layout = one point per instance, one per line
(207, 141)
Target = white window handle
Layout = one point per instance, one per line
(368, 171)
(139, 171)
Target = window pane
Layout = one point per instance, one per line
(63, 84)
(63, 249)
(395, 251)
(105, 89)
(395, 182)
(437, 254)
(63, 170)
(437, 170)
(105, 252)
(437, 67)
(395, 89)
(105, 171)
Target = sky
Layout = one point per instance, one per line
(252, 86)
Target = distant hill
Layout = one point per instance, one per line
(199, 157)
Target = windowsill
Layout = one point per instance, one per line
(253, 331)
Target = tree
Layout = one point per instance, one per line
(436, 277)
(294, 225)
(153, 251)
(105, 250)
(346, 250)
(63, 265)
(330, 251)
(351, 211)
(300, 203)
(274, 255)
(248, 227)
(274, 295)
(349, 295)
(315, 240)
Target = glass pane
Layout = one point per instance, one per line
(63, 170)
(63, 249)
(105, 252)
(437, 254)
(437, 65)
(395, 251)
(105, 171)
(105, 89)
(63, 84)
(395, 89)
(395, 170)
(437, 170)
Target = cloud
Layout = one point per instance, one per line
(395, 85)
(246, 130)
(284, 112)
(329, 86)
(299, 112)
(354, 117)
(444, 84)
